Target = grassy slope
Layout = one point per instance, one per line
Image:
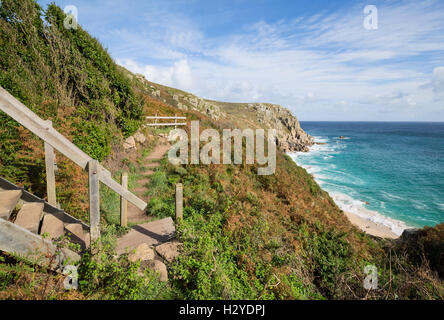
(277, 237)
(245, 236)
(237, 115)
(66, 76)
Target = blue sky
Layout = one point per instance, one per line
(313, 57)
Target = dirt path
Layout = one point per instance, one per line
(151, 162)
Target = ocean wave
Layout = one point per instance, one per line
(419, 205)
(312, 169)
(321, 139)
(390, 196)
(347, 203)
(343, 177)
(318, 150)
(328, 172)
(344, 138)
(321, 176)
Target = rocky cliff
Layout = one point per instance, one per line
(290, 136)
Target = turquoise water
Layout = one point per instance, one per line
(392, 173)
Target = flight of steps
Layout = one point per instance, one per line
(38, 217)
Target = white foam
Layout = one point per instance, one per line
(344, 201)
(321, 176)
(418, 204)
(390, 196)
(357, 207)
(320, 139)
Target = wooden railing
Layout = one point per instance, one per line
(156, 123)
(54, 140)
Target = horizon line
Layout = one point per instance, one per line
(375, 121)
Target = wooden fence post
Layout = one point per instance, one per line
(155, 121)
(94, 200)
(175, 121)
(124, 202)
(179, 202)
(50, 171)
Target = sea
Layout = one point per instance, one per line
(391, 173)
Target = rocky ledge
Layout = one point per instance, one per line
(290, 136)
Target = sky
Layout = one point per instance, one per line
(320, 59)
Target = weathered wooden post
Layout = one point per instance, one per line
(175, 121)
(50, 171)
(94, 200)
(155, 121)
(124, 202)
(179, 202)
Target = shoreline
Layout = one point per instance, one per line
(370, 227)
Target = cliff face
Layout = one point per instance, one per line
(290, 136)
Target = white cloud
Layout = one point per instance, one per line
(323, 67)
(178, 75)
(438, 80)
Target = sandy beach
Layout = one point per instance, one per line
(371, 227)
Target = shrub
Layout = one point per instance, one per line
(106, 276)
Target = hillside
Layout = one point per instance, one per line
(290, 136)
(245, 236)
(65, 76)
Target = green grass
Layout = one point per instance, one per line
(110, 200)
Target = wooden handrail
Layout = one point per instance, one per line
(160, 124)
(155, 117)
(164, 124)
(19, 112)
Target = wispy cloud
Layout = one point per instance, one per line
(322, 66)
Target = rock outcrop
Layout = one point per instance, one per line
(129, 143)
(157, 266)
(142, 252)
(170, 250)
(192, 102)
(290, 136)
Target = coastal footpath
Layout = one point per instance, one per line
(243, 235)
(290, 136)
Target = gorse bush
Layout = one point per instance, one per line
(64, 75)
(108, 276)
(330, 254)
(244, 236)
(208, 268)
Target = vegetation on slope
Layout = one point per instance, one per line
(276, 237)
(65, 76)
(245, 236)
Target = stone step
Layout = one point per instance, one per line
(29, 216)
(148, 173)
(152, 233)
(139, 191)
(143, 182)
(8, 201)
(75, 232)
(52, 226)
(151, 165)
